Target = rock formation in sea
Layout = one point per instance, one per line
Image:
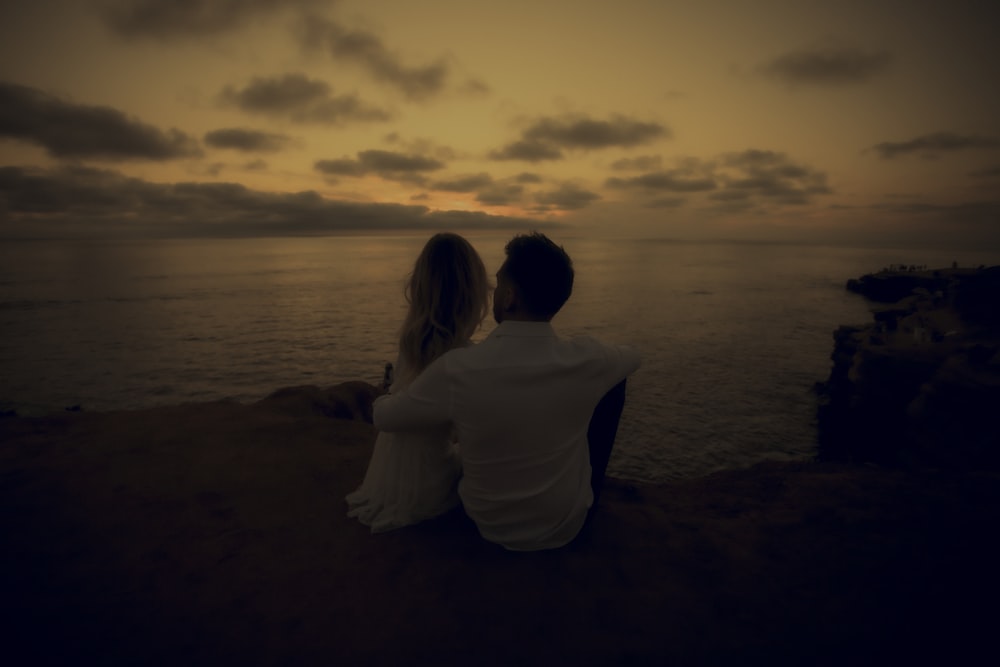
(920, 384)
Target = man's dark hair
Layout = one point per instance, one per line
(541, 271)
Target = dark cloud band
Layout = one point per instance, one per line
(468, 183)
(68, 130)
(588, 133)
(389, 165)
(733, 180)
(934, 144)
(827, 67)
(301, 100)
(527, 151)
(545, 138)
(665, 181)
(242, 139)
(167, 20)
(80, 200)
(568, 197)
(367, 50)
(640, 163)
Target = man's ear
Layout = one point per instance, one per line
(508, 299)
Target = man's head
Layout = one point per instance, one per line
(535, 280)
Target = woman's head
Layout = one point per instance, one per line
(448, 295)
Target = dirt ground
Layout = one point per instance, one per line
(215, 534)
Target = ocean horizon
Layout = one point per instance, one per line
(734, 335)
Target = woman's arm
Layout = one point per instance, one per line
(426, 402)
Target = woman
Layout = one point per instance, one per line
(414, 476)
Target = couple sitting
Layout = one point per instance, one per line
(519, 427)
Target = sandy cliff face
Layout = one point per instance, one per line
(921, 383)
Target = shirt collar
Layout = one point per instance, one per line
(523, 329)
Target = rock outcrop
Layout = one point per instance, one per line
(921, 383)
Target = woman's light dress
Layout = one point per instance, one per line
(411, 476)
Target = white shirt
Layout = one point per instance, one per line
(521, 403)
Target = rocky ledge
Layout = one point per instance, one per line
(920, 384)
(215, 534)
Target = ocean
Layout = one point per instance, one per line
(733, 335)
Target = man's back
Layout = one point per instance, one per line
(521, 403)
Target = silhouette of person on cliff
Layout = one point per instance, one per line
(535, 416)
(413, 473)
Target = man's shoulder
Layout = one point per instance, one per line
(457, 354)
(582, 342)
(588, 344)
(588, 347)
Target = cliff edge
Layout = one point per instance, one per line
(920, 384)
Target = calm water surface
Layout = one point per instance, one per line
(733, 336)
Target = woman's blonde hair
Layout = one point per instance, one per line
(448, 295)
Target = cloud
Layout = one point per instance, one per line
(69, 191)
(169, 20)
(543, 139)
(665, 202)
(488, 191)
(385, 164)
(467, 183)
(769, 175)
(500, 194)
(83, 201)
(827, 67)
(242, 139)
(214, 169)
(300, 99)
(421, 146)
(528, 177)
(934, 144)
(640, 163)
(984, 212)
(528, 151)
(368, 51)
(68, 130)
(667, 181)
(734, 180)
(733, 200)
(379, 161)
(578, 131)
(475, 87)
(568, 197)
(730, 196)
(341, 167)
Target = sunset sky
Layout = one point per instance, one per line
(861, 122)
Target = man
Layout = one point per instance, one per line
(521, 404)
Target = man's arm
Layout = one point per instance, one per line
(426, 402)
(624, 359)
